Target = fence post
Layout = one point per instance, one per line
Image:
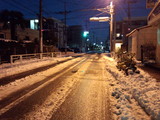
(41, 55)
(11, 59)
(21, 58)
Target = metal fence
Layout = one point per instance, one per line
(22, 57)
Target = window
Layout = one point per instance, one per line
(118, 35)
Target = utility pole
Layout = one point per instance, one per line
(129, 2)
(129, 26)
(65, 30)
(111, 26)
(65, 12)
(129, 15)
(40, 27)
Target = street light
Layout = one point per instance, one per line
(100, 19)
(111, 25)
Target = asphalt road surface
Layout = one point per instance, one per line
(78, 92)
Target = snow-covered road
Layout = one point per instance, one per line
(94, 90)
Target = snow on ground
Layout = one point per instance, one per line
(29, 80)
(128, 92)
(53, 101)
(32, 79)
(17, 67)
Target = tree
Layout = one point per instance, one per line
(10, 20)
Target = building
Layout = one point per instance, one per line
(142, 42)
(27, 39)
(122, 28)
(145, 41)
(54, 32)
(22, 34)
(75, 38)
(25, 42)
(118, 36)
(129, 25)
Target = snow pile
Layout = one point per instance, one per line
(128, 92)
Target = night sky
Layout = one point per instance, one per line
(80, 12)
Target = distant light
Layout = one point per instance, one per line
(94, 43)
(36, 21)
(118, 35)
(129, 29)
(101, 42)
(85, 33)
(87, 39)
(118, 46)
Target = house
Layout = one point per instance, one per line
(145, 41)
(142, 41)
(26, 34)
(27, 39)
(154, 20)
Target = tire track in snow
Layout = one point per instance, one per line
(33, 91)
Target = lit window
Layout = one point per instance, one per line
(118, 35)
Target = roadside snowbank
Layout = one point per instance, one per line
(7, 89)
(18, 67)
(128, 92)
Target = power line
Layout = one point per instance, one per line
(19, 7)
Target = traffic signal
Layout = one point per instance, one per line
(85, 33)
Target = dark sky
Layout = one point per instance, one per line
(80, 12)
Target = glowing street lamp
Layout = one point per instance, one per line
(100, 19)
